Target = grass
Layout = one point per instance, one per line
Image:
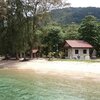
(76, 60)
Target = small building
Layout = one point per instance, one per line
(77, 49)
(35, 53)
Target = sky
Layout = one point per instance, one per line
(84, 3)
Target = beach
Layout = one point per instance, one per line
(72, 68)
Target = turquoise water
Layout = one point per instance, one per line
(28, 85)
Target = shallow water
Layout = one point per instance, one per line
(28, 85)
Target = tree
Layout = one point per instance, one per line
(14, 39)
(71, 32)
(16, 27)
(97, 40)
(89, 31)
(24, 19)
(3, 30)
(52, 38)
(2, 9)
(38, 9)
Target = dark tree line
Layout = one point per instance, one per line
(20, 25)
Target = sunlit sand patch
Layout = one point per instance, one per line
(76, 70)
(59, 66)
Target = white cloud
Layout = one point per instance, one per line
(84, 3)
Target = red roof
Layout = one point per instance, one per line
(77, 44)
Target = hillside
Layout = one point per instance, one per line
(69, 15)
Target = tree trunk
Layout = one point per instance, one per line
(31, 54)
(6, 57)
(24, 57)
(17, 56)
(21, 55)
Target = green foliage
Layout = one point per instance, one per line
(97, 41)
(24, 20)
(2, 9)
(52, 37)
(27, 26)
(68, 15)
(71, 32)
(88, 29)
(16, 27)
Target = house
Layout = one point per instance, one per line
(77, 49)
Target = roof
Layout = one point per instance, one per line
(34, 50)
(78, 44)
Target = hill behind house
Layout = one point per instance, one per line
(69, 15)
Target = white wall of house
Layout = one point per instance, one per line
(82, 54)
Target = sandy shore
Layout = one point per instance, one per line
(58, 67)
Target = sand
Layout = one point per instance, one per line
(58, 67)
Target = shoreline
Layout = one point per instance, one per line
(71, 68)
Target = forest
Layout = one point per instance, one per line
(25, 26)
(69, 15)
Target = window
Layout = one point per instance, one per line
(76, 51)
(84, 51)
